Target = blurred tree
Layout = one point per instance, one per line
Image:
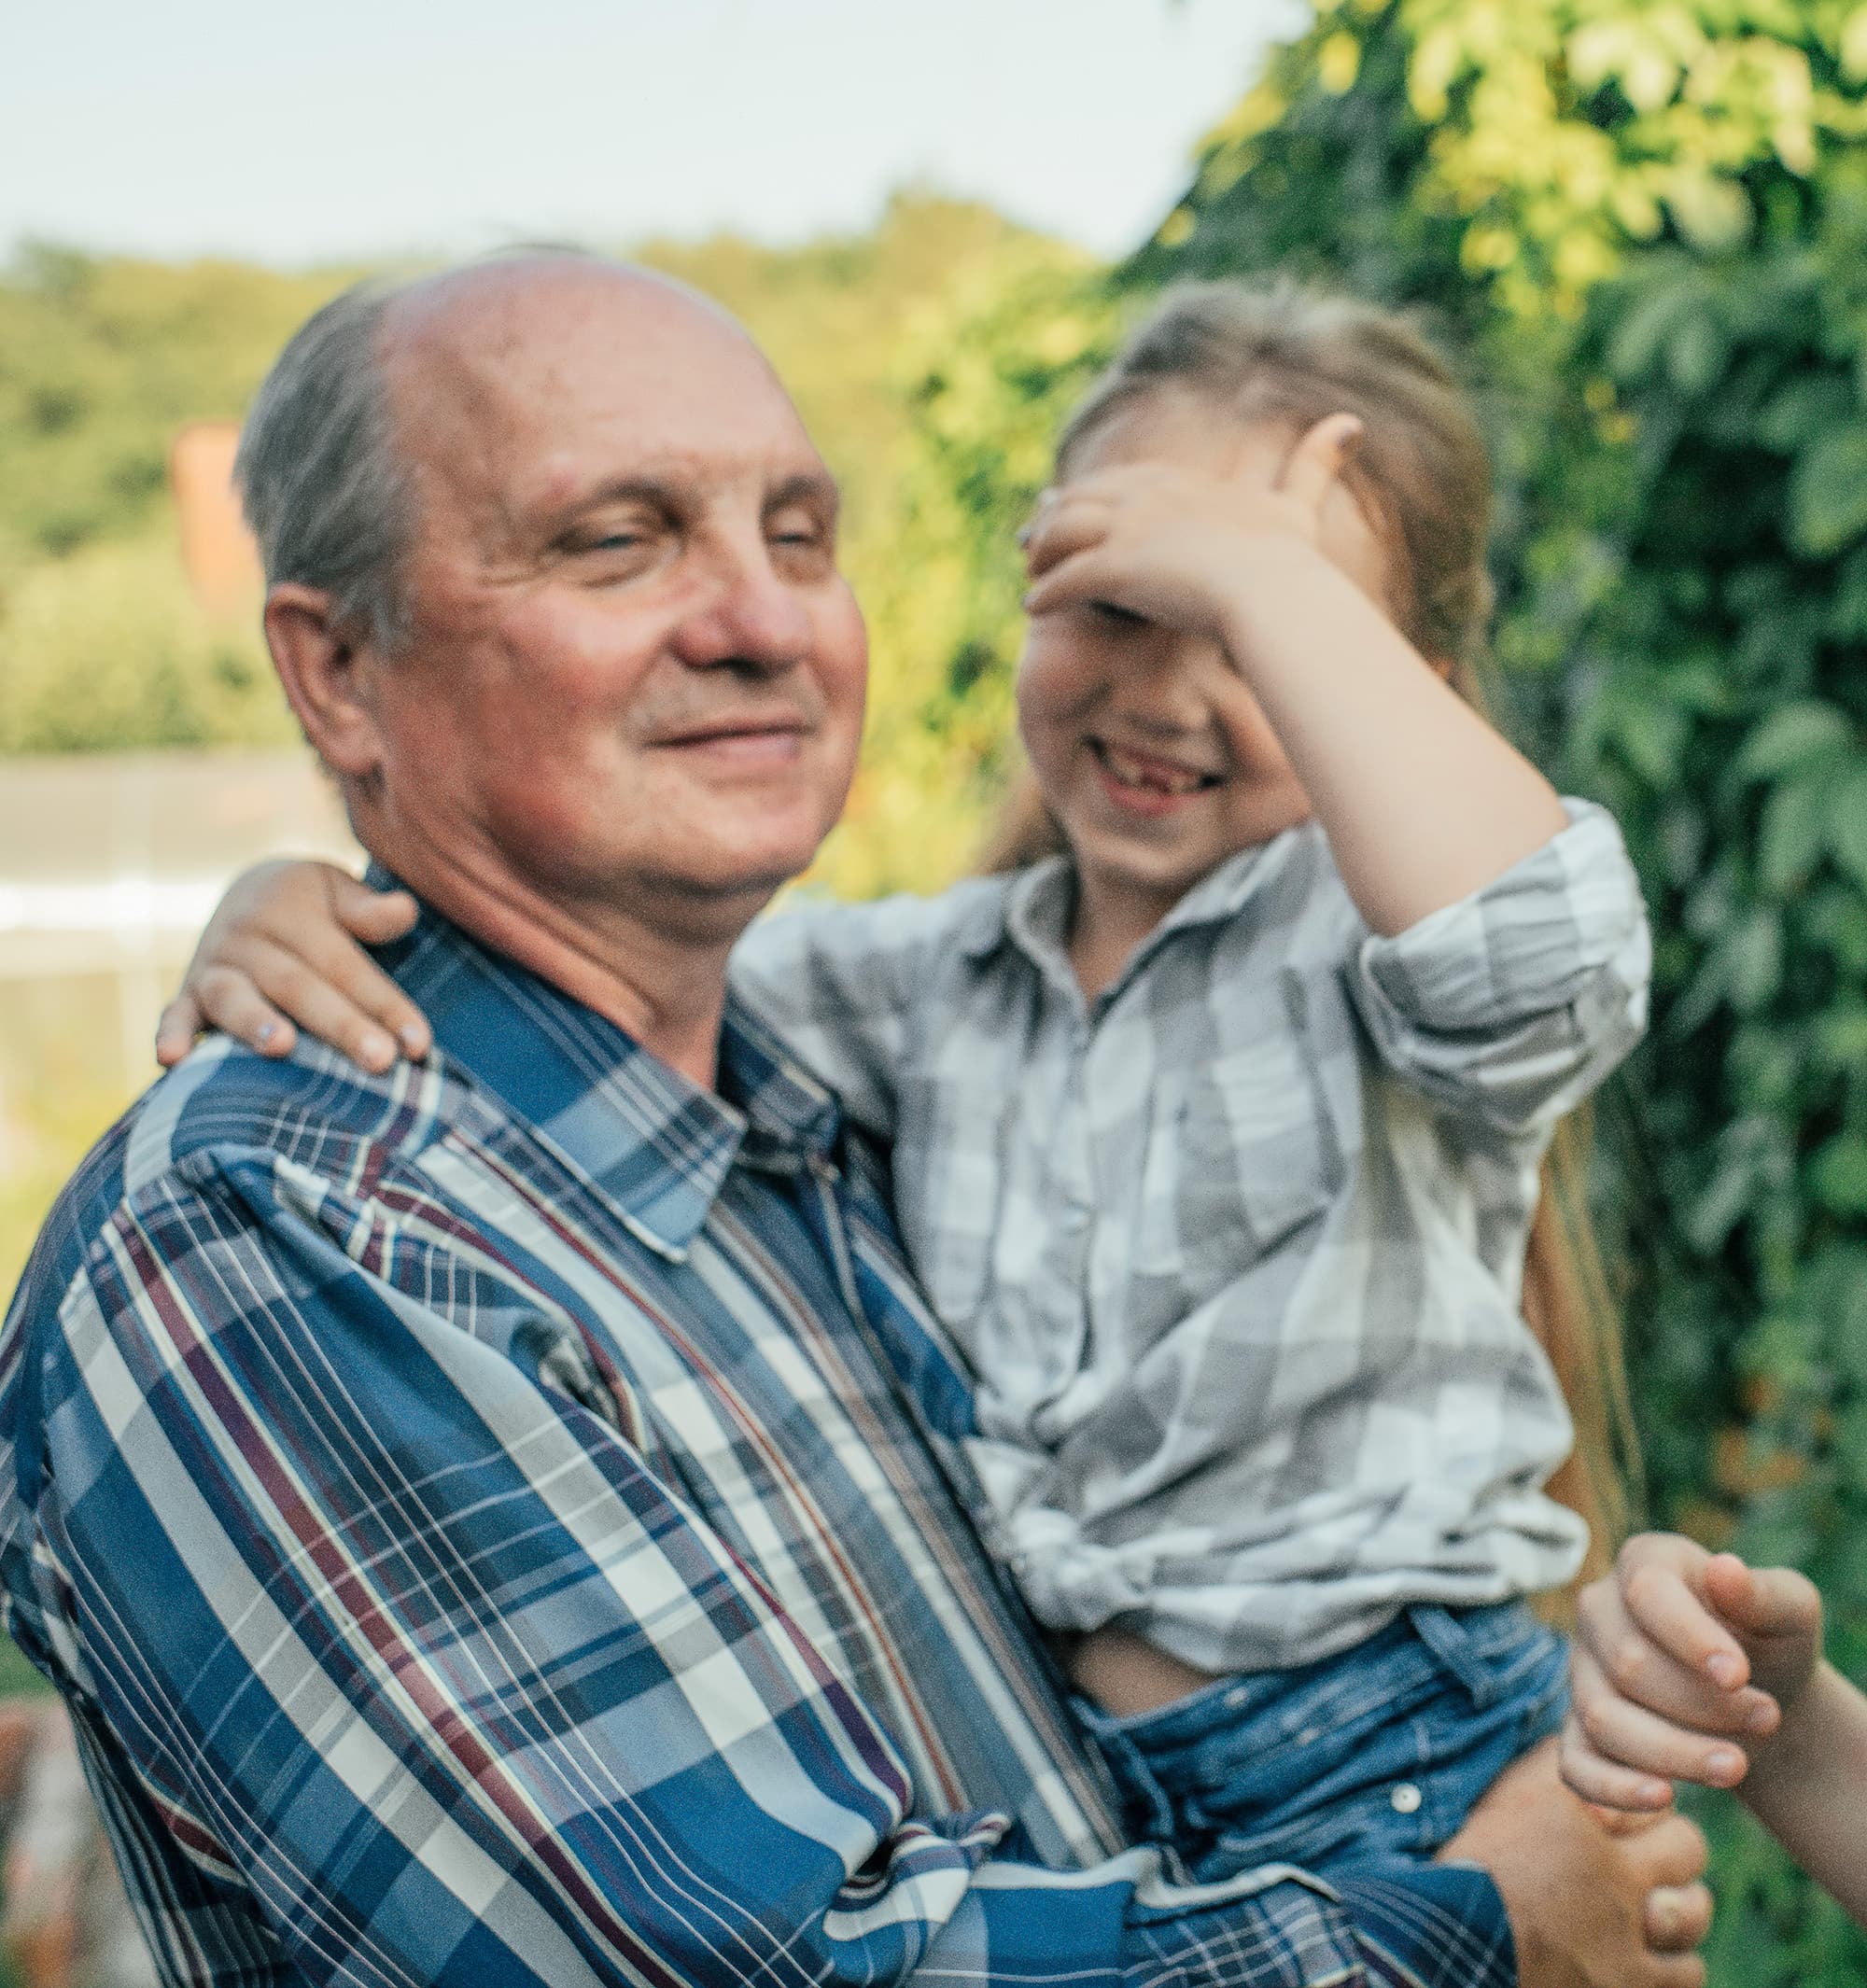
(103, 360)
(106, 649)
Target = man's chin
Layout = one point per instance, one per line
(762, 850)
(738, 879)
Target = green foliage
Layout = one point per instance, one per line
(101, 361)
(1646, 228)
(103, 648)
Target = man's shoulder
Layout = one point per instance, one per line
(223, 1110)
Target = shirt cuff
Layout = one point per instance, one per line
(1291, 1934)
(1532, 940)
(1430, 1925)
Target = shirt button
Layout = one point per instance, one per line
(1406, 1798)
(1075, 1218)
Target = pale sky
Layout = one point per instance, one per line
(294, 134)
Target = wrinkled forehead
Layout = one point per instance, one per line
(518, 387)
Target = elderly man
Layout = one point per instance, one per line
(498, 1521)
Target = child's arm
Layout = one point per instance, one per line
(285, 946)
(1422, 800)
(1692, 1666)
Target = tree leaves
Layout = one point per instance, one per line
(1791, 735)
(1828, 492)
(1848, 823)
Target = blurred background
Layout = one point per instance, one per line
(1641, 228)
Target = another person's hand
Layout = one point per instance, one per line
(1593, 1901)
(285, 946)
(1685, 1662)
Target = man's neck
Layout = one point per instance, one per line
(663, 986)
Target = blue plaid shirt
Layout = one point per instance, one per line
(504, 1522)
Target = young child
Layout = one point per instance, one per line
(1217, 1132)
(1690, 1666)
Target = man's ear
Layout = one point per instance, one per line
(320, 663)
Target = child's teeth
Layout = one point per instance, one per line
(1131, 775)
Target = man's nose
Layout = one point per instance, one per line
(749, 617)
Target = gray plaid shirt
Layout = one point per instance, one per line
(1235, 1251)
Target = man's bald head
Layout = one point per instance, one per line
(328, 467)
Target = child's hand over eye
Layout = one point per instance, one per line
(1172, 545)
(284, 945)
(1684, 1662)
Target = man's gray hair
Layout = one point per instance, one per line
(325, 488)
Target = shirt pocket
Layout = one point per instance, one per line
(1247, 1152)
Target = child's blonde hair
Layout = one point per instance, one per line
(1284, 355)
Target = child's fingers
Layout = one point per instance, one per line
(227, 999)
(1677, 1684)
(1317, 460)
(1762, 1601)
(374, 916)
(1070, 526)
(1668, 1610)
(177, 1027)
(368, 995)
(1608, 1783)
(1618, 1729)
(310, 991)
(1075, 582)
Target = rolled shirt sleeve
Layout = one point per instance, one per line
(1515, 1002)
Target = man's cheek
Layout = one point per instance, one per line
(552, 824)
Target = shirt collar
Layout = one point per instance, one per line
(655, 1143)
(1032, 911)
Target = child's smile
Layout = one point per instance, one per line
(1149, 783)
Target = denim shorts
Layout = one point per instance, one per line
(1375, 1755)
